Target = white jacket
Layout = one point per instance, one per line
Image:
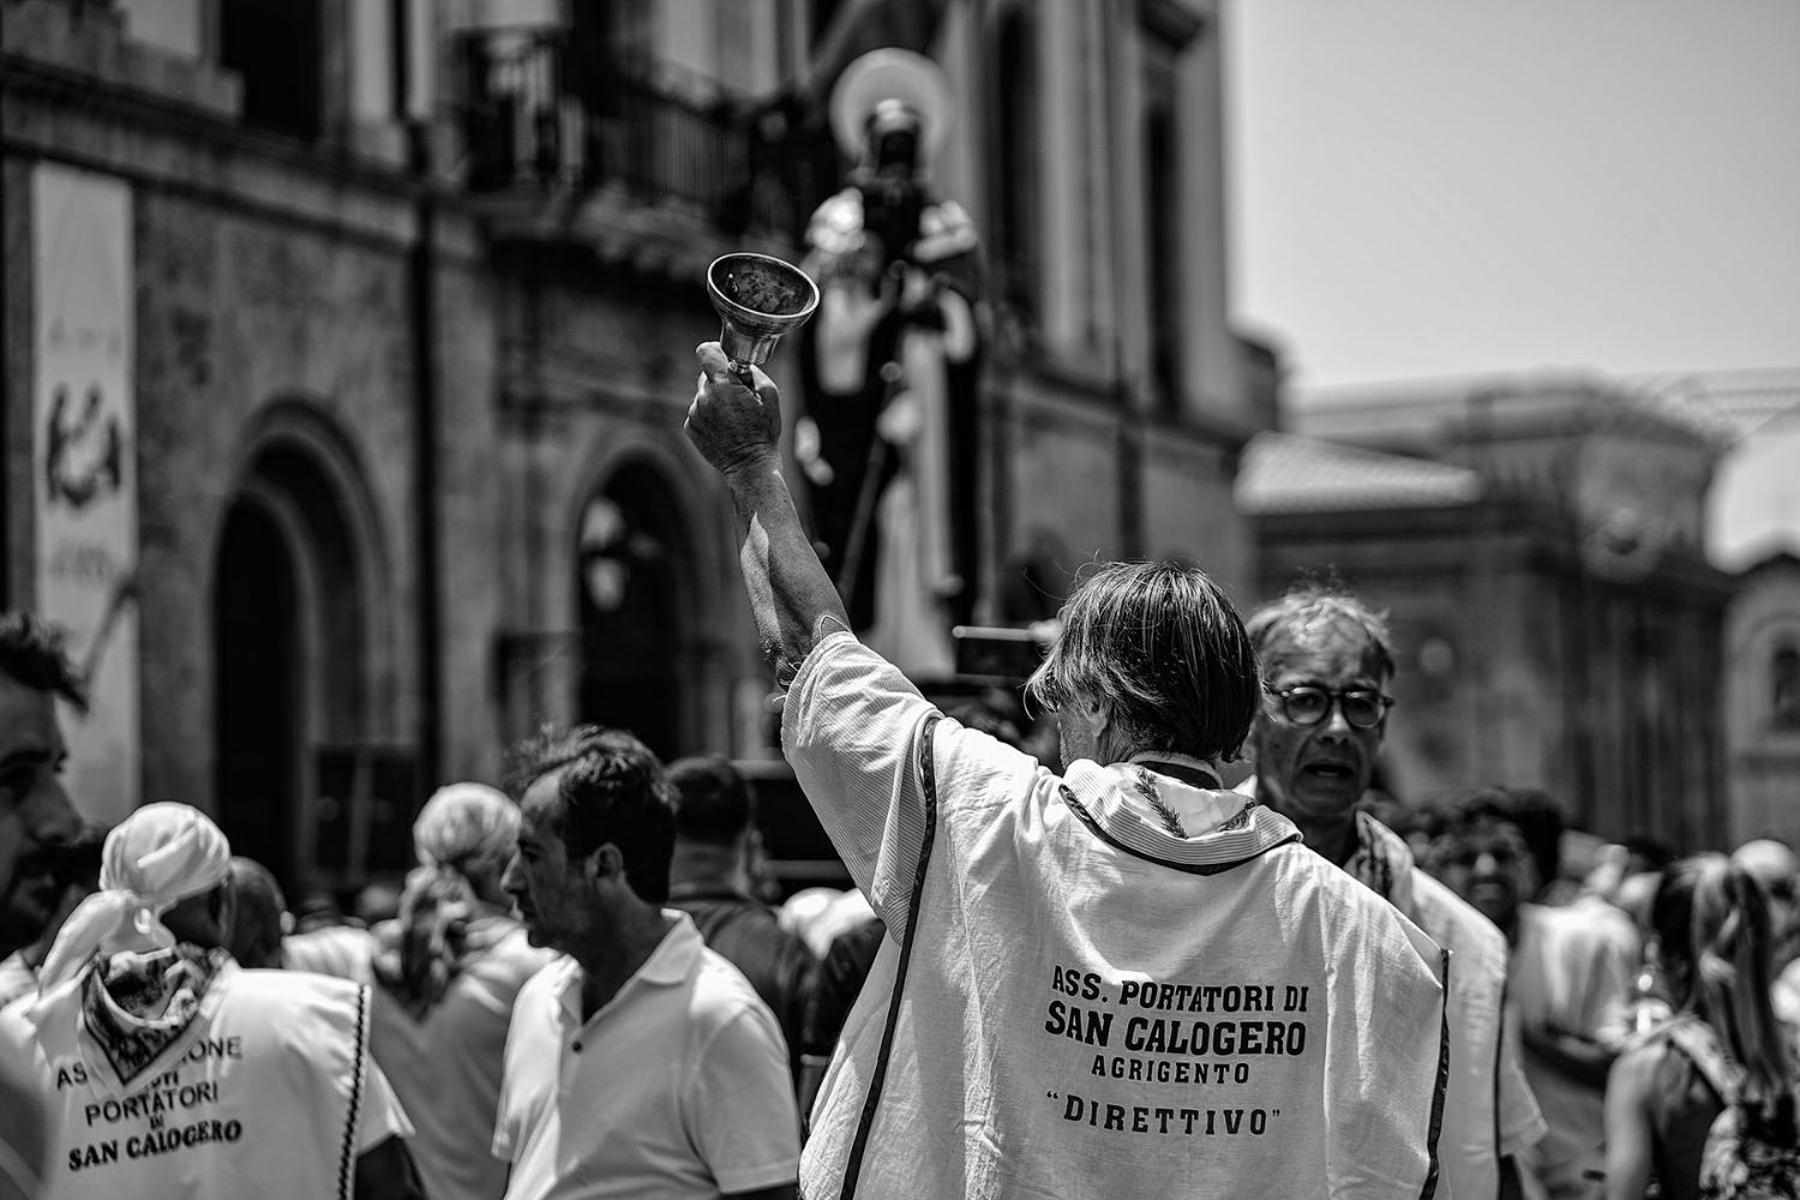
(1091, 1005)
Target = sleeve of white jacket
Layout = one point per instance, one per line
(851, 728)
(1387, 1062)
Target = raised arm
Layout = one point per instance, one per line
(738, 431)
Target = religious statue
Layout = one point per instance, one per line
(890, 364)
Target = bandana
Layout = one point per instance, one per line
(138, 1005)
(157, 857)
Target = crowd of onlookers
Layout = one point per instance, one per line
(1601, 940)
(590, 984)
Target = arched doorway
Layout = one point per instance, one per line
(299, 773)
(257, 655)
(634, 591)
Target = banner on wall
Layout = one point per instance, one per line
(84, 469)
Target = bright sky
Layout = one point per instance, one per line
(1426, 188)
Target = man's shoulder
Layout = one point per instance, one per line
(720, 987)
(548, 981)
(1349, 909)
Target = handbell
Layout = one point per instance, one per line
(758, 299)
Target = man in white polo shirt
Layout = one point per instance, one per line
(643, 1064)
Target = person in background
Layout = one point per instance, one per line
(319, 910)
(329, 949)
(173, 1071)
(66, 875)
(1327, 662)
(1032, 920)
(642, 1064)
(35, 815)
(1569, 989)
(35, 812)
(376, 902)
(1541, 823)
(260, 919)
(447, 971)
(716, 845)
(1724, 1046)
(1772, 862)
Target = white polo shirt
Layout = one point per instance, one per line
(677, 1087)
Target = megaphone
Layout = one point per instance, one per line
(758, 299)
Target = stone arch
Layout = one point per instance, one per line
(649, 598)
(303, 640)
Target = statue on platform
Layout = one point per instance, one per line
(888, 442)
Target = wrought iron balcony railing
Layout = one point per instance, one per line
(538, 116)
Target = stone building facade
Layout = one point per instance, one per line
(1753, 530)
(404, 335)
(1540, 550)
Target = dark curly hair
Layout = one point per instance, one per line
(31, 653)
(612, 788)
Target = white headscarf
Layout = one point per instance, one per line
(157, 857)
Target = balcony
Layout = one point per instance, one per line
(541, 123)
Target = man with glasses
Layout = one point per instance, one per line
(1326, 664)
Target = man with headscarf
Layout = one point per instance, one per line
(174, 1072)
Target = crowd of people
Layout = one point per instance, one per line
(1087, 970)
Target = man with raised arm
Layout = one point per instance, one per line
(1122, 981)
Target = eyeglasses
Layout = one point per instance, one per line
(1309, 704)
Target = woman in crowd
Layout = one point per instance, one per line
(446, 972)
(1713, 945)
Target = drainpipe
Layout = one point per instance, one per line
(422, 328)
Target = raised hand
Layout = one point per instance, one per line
(732, 426)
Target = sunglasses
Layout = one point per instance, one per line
(1308, 704)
